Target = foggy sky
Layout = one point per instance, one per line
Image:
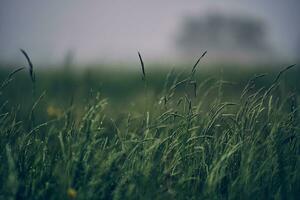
(114, 30)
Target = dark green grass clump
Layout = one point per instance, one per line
(175, 145)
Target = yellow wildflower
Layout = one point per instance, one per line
(54, 111)
(72, 193)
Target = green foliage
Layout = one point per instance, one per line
(182, 141)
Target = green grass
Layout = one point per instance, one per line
(161, 138)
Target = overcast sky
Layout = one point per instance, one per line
(113, 30)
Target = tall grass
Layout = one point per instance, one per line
(185, 147)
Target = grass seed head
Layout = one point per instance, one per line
(194, 67)
(31, 72)
(142, 65)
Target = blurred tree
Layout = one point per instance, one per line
(222, 33)
(69, 60)
(298, 49)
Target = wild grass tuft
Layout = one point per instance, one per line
(181, 146)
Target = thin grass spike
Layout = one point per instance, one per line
(194, 67)
(10, 78)
(282, 71)
(15, 71)
(143, 66)
(31, 73)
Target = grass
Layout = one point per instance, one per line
(191, 140)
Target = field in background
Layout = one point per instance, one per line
(216, 133)
(124, 88)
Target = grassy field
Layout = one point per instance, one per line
(186, 134)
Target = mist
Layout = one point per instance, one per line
(113, 31)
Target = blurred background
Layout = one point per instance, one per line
(168, 31)
(81, 48)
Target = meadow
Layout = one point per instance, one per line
(191, 133)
